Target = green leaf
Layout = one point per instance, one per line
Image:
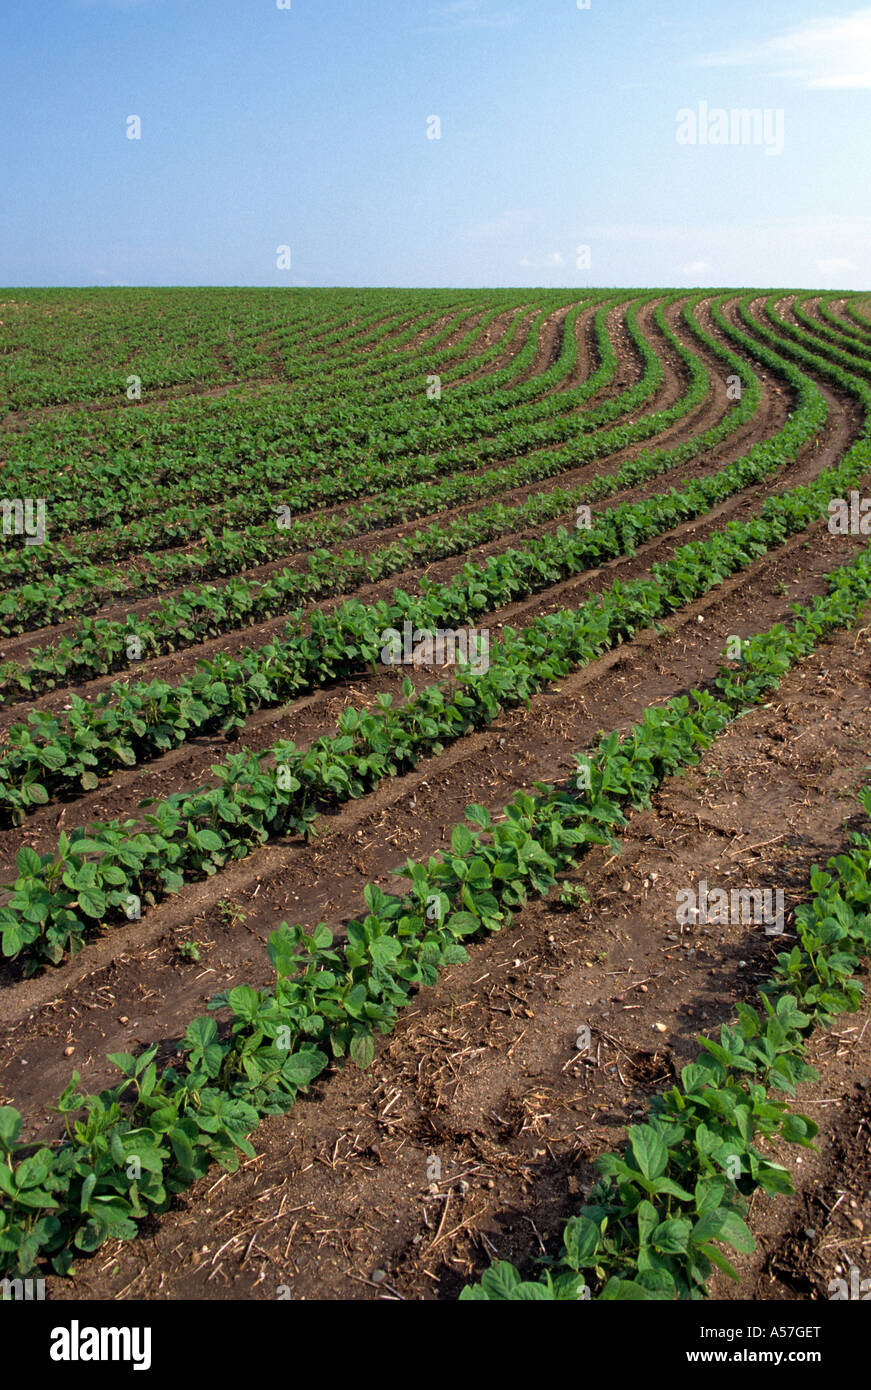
(672, 1237)
(10, 1126)
(28, 862)
(501, 1282)
(362, 1049)
(625, 1290)
(462, 924)
(649, 1151)
(124, 1061)
(87, 1190)
(302, 1067)
(201, 1037)
(736, 1233)
(648, 1220)
(52, 757)
(182, 1148)
(92, 902)
(581, 1239)
(462, 841)
(244, 1001)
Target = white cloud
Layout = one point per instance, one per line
(831, 54)
(834, 265)
(694, 268)
(462, 15)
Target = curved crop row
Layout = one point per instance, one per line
(181, 357)
(85, 588)
(226, 433)
(125, 726)
(258, 502)
(829, 326)
(57, 897)
(73, 1196)
(123, 491)
(96, 646)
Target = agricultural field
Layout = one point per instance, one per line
(435, 858)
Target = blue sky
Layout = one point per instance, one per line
(264, 127)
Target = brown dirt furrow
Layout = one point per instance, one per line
(465, 318)
(497, 330)
(853, 343)
(549, 343)
(860, 330)
(471, 1137)
(364, 839)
